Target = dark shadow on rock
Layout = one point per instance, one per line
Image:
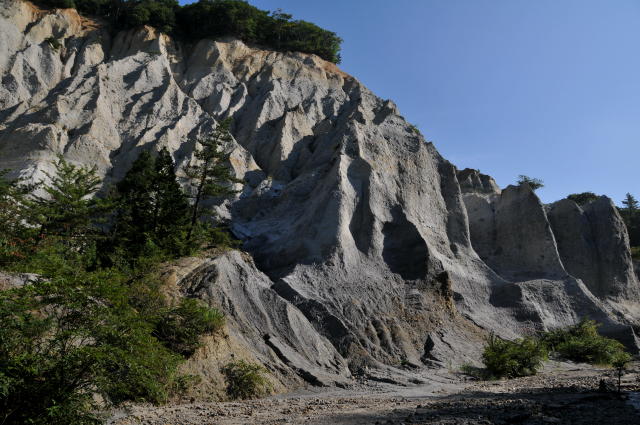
(404, 251)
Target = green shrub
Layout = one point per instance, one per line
(520, 357)
(72, 335)
(214, 19)
(97, 320)
(61, 4)
(533, 183)
(620, 363)
(583, 198)
(581, 342)
(53, 42)
(246, 380)
(180, 329)
(635, 252)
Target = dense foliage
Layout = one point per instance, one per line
(213, 19)
(581, 342)
(246, 380)
(583, 198)
(520, 357)
(533, 183)
(181, 327)
(63, 338)
(152, 210)
(95, 319)
(630, 213)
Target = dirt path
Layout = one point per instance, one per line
(563, 394)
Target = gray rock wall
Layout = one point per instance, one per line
(370, 239)
(270, 328)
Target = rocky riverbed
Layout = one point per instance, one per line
(563, 393)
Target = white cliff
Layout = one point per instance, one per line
(373, 244)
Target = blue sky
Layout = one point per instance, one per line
(549, 89)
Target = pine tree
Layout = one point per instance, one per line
(69, 208)
(153, 206)
(210, 178)
(136, 197)
(172, 204)
(631, 216)
(630, 203)
(15, 236)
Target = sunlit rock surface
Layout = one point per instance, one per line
(371, 249)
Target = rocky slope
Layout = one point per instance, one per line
(371, 249)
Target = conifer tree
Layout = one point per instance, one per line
(153, 206)
(69, 208)
(172, 205)
(210, 178)
(14, 234)
(630, 203)
(631, 215)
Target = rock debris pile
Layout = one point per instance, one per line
(563, 394)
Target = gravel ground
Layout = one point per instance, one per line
(563, 393)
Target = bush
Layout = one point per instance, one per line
(214, 19)
(583, 198)
(96, 321)
(520, 357)
(72, 335)
(581, 342)
(246, 380)
(53, 42)
(180, 329)
(635, 253)
(533, 183)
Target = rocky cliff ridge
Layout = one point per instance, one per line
(371, 250)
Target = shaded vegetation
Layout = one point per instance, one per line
(630, 213)
(53, 42)
(214, 19)
(180, 328)
(246, 380)
(635, 253)
(520, 357)
(581, 342)
(94, 317)
(583, 198)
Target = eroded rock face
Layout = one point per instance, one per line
(525, 241)
(377, 249)
(472, 181)
(267, 326)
